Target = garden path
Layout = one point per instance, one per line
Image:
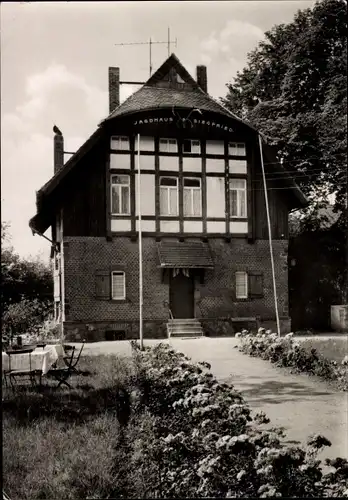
(301, 404)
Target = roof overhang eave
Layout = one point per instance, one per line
(39, 223)
(224, 112)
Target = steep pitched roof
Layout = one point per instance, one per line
(152, 97)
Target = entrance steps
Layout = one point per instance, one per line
(184, 328)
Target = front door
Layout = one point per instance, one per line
(181, 295)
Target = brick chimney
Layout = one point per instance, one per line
(202, 79)
(114, 88)
(58, 150)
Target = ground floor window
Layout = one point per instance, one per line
(249, 285)
(241, 285)
(118, 285)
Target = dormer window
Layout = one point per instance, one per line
(120, 142)
(192, 146)
(168, 145)
(236, 149)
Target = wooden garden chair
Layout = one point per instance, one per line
(76, 358)
(27, 372)
(63, 374)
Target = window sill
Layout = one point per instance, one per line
(120, 301)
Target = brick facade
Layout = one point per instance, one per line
(214, 298)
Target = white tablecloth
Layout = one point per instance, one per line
(41, 359)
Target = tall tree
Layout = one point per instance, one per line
(294, 91)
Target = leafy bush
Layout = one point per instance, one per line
(24, 317)
(288, 352)
(194, 437)
(22, 278)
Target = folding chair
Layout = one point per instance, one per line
(12, 374)
(63, 374)
(76, 359)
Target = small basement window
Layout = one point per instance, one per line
(118, 285)
(115, 335)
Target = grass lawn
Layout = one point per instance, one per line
(334, 348)
(64, 444)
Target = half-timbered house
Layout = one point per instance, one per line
(206, 256)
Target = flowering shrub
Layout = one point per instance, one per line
(195, 437)
(288, 352)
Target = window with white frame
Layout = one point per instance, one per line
(192, 197)
(118, 285)
(238, 196)
(120, 195)
(120, 142)
(168, 145)
(241, 285)
(169, 196)
(192, 146)
(236, 149)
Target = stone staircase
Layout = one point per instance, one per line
(184, 328)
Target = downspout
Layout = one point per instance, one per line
(59, 249)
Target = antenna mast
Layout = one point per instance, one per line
(150, 43)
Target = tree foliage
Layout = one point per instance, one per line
(294, 91)
(22, 278)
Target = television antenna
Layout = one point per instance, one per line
(150, 43)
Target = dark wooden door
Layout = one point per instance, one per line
(181, 294)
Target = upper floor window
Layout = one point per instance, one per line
(168, 145)
(169, 196)
(120, 195)
(120, 142)
(192, 146)
(192, 197)
(236, 149)
(118, 285)
(238, 189)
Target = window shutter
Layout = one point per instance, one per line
(102, 285)
(255, 284)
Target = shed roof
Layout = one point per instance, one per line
(187, 254)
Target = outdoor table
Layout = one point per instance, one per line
(40, 359)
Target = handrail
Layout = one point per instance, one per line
(166, 304)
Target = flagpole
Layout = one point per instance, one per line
(270, 238)
(140, 255)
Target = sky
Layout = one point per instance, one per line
(54, 70)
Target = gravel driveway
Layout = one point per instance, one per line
(302, 405)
